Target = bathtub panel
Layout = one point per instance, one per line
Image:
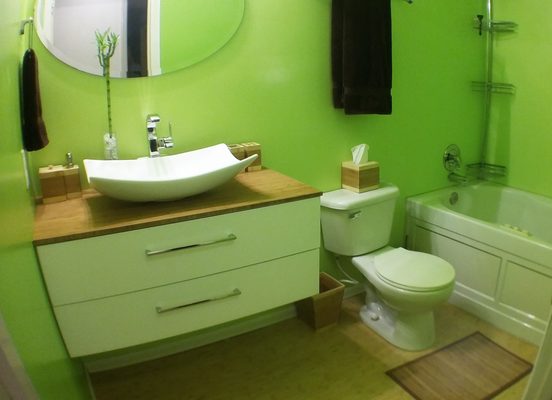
(510, 225)
(523, 289)
(475, 269)
(490, 309)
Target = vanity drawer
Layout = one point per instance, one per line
(134, 318)
(114, 264)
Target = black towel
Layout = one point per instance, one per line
(35, 136)
(361, 56)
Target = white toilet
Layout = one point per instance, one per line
(403, 286)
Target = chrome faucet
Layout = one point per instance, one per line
(154, 142)
(458, 178)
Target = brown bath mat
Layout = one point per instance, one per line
(473, 368)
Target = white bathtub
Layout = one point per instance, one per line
(499, 240)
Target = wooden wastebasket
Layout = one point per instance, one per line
(322, 309)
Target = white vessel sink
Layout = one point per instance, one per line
(165, 178)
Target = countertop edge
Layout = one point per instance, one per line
(78, 220)
(170, 220)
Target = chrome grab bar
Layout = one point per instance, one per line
(228, 238)
(163, 309)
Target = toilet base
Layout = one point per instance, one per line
(408, 331)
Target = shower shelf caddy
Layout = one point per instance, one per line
(493, 87)
(486, 24)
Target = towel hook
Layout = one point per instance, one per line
(29, 21)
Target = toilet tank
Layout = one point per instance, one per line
(357, 223)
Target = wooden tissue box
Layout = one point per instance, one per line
(360, 178)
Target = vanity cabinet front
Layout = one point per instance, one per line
(123, 289)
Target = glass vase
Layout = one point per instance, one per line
(110, 146)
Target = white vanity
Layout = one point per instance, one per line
(121, 274)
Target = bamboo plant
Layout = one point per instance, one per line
(106, 44)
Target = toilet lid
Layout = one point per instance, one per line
(412, 270)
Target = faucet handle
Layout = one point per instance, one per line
(167, 142)
(153, 118)
(151, 122)
(451, 158)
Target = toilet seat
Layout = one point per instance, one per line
(395, 267)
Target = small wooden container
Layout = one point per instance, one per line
(237, 151)
(322, 309)
(360, 178)
(52, 183)
(250, 149)
(71, 177)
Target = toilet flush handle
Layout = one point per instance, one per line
(354, 215)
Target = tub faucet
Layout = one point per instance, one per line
(458, 178)
(155, 143)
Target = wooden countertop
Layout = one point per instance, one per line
(95, 214)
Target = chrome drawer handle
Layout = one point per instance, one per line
(163, 309)
(228, 238)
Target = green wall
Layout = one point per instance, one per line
(522, 124)
(270, 84)
(23, 301)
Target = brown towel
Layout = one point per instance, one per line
(361, 56)
(35, 136)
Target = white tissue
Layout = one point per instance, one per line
(360, 153)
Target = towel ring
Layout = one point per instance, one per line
(29, 21)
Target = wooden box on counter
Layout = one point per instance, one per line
(59, 183)
(360, 178)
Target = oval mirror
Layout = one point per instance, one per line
(155, 36)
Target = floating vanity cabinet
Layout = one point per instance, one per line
(122, 274)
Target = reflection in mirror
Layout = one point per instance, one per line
(156, 36)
